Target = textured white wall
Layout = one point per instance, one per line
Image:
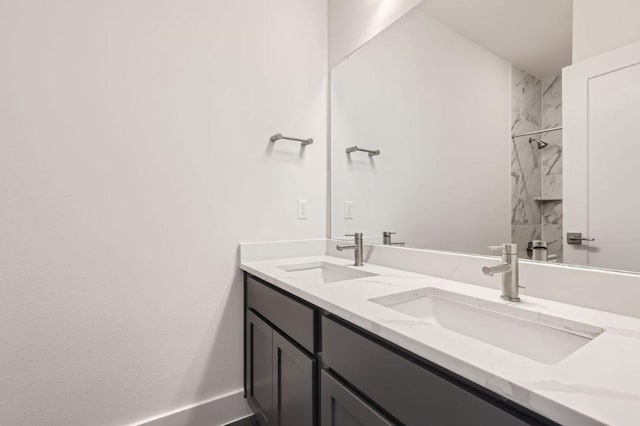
(600, 26)
(353, 22)
(134, 156)
(437, 105)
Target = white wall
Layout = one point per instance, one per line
(437, 105)
(134, 156)
(353, 22)
(600, 26)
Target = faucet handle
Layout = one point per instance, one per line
(507, 248)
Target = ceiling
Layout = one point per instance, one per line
(534, 35)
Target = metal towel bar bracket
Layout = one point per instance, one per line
(304, 142)
(369, 151)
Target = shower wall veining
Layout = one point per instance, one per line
(536, 175)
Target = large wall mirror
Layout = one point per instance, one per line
(465, 124)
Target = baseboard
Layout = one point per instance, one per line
(218, 411)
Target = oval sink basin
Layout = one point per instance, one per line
(324, 272)
(537, 336)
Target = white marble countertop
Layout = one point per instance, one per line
(597, 384)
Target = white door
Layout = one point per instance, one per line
(601, 144)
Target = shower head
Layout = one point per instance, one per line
(539, 142)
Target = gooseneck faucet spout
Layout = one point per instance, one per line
(356, 247)
(509, 270)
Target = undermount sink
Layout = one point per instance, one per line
(324, 272)
(531, 334)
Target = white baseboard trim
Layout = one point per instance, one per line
(218, 411)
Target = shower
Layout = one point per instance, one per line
(539, 142)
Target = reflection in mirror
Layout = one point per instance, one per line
(456, 111)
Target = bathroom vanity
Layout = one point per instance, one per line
(327, 343)
(305, 366)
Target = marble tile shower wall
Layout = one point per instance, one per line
(526, 116)
(536, 174)
(552, 165)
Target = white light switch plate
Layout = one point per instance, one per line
(302, 209)
(348, 209)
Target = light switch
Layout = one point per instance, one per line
(348, 210)
(302, 209)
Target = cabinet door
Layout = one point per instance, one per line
(411, 393)
(293, 384)
(259, 368)
(340, 407)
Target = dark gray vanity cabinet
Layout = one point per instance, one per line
(280, 375)
(341, 407)
(307, 367)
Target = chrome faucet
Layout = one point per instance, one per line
(509, 270)
(386, 239)
(356, 247)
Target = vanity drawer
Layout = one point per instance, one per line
(406, 390)
(293, 318)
